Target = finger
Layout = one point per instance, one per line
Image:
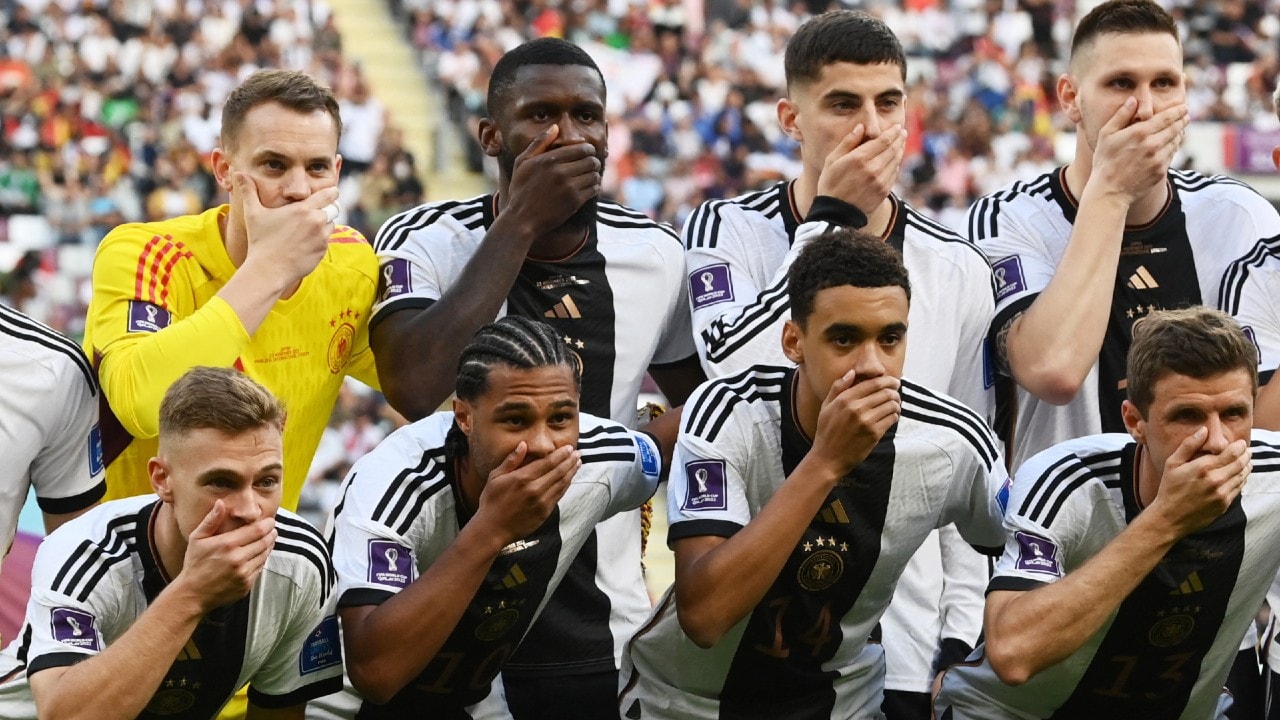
(1122, 117)
(322, 197)
(850, 142)
(541, 142)
(842, 383)
(247, 190)
(513, 459)
(208, 527)
(1188, 448)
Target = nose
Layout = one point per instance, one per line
(296, 186)
(1146, 103)
(872, 125)
(540, 441)
(869, 363)
(570, 133)
(242, 505)
(1216, 441)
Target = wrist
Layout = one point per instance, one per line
(184, 602)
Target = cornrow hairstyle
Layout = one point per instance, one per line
(515, 342)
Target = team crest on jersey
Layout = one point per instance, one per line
(147, 317)
(497, 624)
(1008, 273)
(75, 628)
(322, 648)
(171, 700)
(1171, 630)
(705, 485)
(823, 567)
(1037, 554)
(710, 285)
(390, 564)
(394, 279)
(344, 335)
(96, 466)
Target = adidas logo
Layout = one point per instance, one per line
(834, 513)
(566, 308)
(190, 652)
(515, 576)
(1191, 585)
(1142, 279)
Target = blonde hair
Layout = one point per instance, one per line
(219, 399)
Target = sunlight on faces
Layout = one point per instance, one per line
(863, 329)
(821, 113)
(1180, 405)
(289, 154)
(537, 406)
(197, 468)
(1115, 67)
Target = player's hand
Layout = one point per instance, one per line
(853, 418)
(221, 567)
(1133, 157)
(1194, 491)
(862, 172)
(518, 500)
(291, 240)
(549, 183)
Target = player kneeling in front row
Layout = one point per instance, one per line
(152, 607)
(797, 497)
(451, 534)
(1136, 561)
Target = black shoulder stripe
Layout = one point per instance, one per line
(1237, 273)
(1062, 478)
(395, 231)
(92, 559)
(770, 306)
(392, 490)
(984, 215)
(702, 229)
(291, 537)
(936, 409)
(715, 405)
(20, 326)
(411, 489)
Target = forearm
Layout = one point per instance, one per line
(1053, 345)
(717, 589)
(119, 682)
(417, 353)
(379, 660)
(1034, 630)
(135, 374)
(251, 292)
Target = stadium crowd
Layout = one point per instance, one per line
(1089, 396)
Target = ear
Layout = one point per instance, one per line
(1275, 156)
(337, 166)
(158, 469)
(490, 137)
(791, 337)
(1133, 422)
(787, 114)
(463, 416)
(1069, 98)
(221, 162)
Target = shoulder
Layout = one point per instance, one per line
(408, 466)
(57, 354)
(601, 440)
(74, 559)
(1045, 482)
(757, 390)
(622, 218)
(1017, 198)
(301, 553)
(453, 216)
(951, 424)
(941, 241)
(350, 253)
(763, 207)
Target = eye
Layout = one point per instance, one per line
(319, 168)
(268, 482)
(891, 339)
(1121, 83)
(890, 104)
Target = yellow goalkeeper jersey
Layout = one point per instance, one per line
(153, 316)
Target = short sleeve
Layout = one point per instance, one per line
(306, 662)
(67, 621)
(635, 482)
(706, 487)
(67, 472)
(409, 272)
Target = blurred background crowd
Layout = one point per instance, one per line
(109, 109)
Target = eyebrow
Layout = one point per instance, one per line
(846, 95)
(851, 329)
(273, 155)
(228, 472)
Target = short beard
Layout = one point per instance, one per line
(582, 219)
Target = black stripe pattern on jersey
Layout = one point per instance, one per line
(1067, 475)
(19, 326)
(1156, 271)
(618, 216)
(924, 405)
(485, 637)
(1150, 658)
(1237, 273)
(702, 230)
(607, 443)
(396, 231)
(297, 536)
(984, 216)
(405, 497)
(91, 560)
(776, 669)
(711, 409)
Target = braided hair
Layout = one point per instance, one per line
(513, 341)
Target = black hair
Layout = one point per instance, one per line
(840, 36)
(842, 257)
(1123, 17)
(543, 51)
(513, 341)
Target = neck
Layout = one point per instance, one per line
(807, 405)
(805, 189)
(1148, 477)
(170, 546)
(470, 484)
(1142, 211)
